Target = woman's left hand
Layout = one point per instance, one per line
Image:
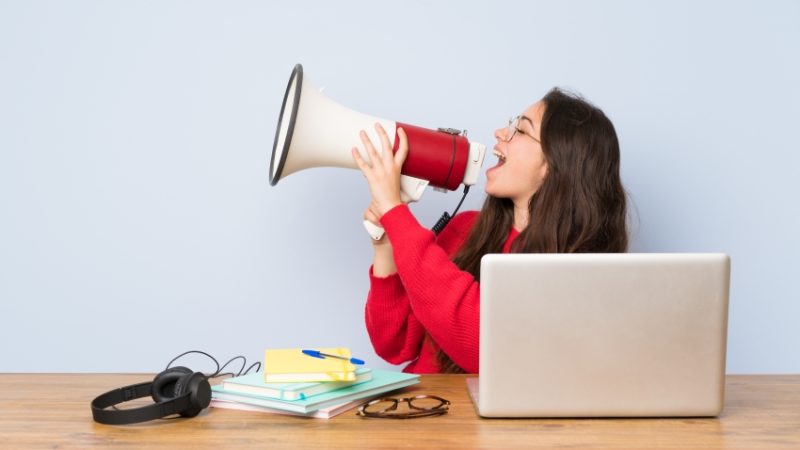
(383, 174)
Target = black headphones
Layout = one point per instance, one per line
(176, 390)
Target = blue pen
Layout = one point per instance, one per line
(319, 354)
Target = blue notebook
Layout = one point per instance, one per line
(382, 381)
(254, 384)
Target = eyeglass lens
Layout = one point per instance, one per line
(382, 406)
(513, 124)
(426, 403)
(392, 406)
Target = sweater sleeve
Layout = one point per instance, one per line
(442, 297)
(395, 333)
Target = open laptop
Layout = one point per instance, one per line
(602, 335)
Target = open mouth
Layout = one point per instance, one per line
(501, 158)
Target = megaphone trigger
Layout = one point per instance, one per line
(374, 231)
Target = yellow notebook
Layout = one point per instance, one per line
(292, 366)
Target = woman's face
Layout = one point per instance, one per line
(521, 166)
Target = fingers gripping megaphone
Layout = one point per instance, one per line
(314, 131)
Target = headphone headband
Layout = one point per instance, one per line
(128, 416)
(134, 415)
(175, 390)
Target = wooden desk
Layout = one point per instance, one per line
(52, 410)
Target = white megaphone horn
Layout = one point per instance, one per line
(314, 131)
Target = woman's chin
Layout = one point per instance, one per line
(490, 181)
(492, 189)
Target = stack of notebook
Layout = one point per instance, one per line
(297, 384)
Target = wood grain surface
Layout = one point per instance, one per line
(52, 411)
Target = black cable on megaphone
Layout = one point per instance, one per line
(445, 219)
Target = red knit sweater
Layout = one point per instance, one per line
(429, 295)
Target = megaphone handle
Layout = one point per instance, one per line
(411, 190)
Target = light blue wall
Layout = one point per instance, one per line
(136, 220)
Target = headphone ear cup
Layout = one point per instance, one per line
(164, 383)
(199, 389)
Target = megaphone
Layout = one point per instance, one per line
(314, 131)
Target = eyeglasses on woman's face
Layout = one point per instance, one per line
(419, 406)
(513, 128)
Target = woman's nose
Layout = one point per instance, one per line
(500, 134)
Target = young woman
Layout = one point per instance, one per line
(555, 189)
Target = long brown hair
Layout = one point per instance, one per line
(580, 206)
